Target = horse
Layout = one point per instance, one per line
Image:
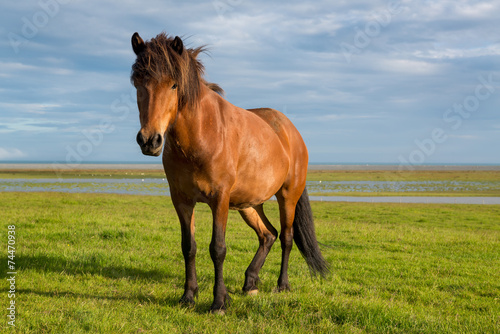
(225, 156)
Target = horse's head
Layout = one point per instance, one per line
(157, 89)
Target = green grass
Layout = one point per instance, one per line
(472, 193)
(113, 264)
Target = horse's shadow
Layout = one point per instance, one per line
(59, 264)
(89, 266)
(135, 298)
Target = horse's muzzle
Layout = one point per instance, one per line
(150, 146)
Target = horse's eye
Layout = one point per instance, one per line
(174, 86)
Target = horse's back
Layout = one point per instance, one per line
(287, 132)
(292, 143)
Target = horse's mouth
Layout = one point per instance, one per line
(147, 151)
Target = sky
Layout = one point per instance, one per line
(399, 82)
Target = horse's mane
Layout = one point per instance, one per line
(159, 61)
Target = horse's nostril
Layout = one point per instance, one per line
(157, 140)
(140, 139)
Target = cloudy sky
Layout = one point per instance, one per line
(364, 81)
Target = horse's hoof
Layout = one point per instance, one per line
(283, 288)
(220, 308)
(220, 311)
(253, 292)
(187, 302)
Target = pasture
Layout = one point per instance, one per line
(113, 264)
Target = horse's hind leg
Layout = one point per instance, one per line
(287, 215)
(267, 234)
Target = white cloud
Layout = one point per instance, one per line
(30, 108)
(29, 126)
(14, 69)
(406, 66)
(11, 153)
(451, 9)
(339, 117)
(465, 137)
(455, 53)
(476, 9)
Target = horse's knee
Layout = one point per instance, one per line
(217, 251)
(189, 249)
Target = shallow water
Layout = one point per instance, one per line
(150, 186)
(399, 186)
(106, 186)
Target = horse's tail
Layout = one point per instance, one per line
(304, 236)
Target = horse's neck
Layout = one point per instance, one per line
(200, 123)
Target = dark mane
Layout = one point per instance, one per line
(159, 61)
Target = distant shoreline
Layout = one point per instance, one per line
(313, 167)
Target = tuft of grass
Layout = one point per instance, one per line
(113, 264)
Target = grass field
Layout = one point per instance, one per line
(113, 264)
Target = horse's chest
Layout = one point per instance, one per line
(190, 181)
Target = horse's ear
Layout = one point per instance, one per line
(177, 45)
(137, 43)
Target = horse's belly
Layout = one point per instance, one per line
(259, 176)
(242, 198)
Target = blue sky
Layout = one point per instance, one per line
(410, 82)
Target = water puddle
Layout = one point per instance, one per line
(106, 186)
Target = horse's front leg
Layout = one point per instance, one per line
(218, 253)
(185, 210)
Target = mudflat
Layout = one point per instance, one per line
(313, 167)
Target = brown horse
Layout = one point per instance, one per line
(222, 155)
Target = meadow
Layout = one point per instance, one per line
(102, 263)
